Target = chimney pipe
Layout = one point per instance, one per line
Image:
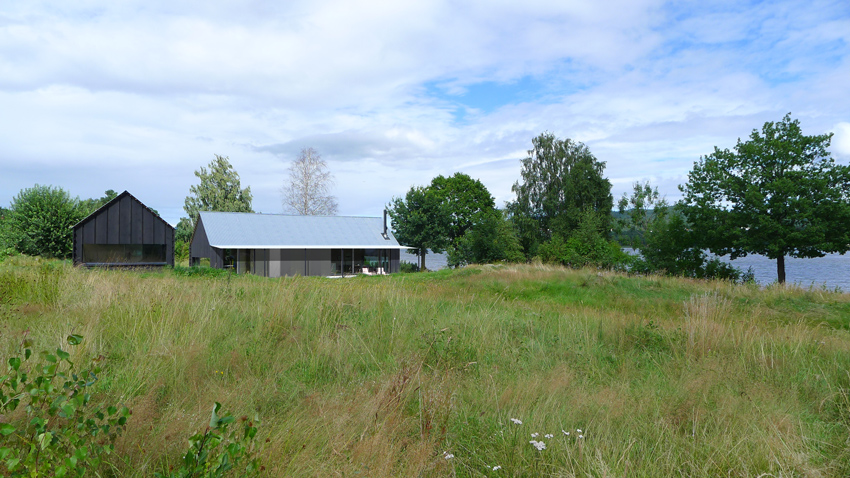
(385, 226)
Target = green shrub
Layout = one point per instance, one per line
(218, 450)
(61, 433)
(40, 220)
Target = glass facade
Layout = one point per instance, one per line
(360, 261)
(124, 253)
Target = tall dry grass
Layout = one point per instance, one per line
(387, 376)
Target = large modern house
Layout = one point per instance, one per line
(276, 245)
(123, 232)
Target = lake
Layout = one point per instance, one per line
(831, 271)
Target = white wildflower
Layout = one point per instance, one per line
(516, 421)
(534, 435)
(578, 430)
(447, 455)
(581, 436)
(566, 432)
(497, 468)
(538, 444)
(548, 435)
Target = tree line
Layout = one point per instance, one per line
(779, 194)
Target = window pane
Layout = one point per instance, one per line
(124, 253)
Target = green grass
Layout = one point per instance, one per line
(379, 376)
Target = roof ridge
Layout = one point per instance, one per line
(288, 215)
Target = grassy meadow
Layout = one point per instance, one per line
(428, 374)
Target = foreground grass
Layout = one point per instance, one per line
(382, 376)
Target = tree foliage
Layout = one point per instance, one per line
(40, 221)
(778, 194)
(491, 239)
(308, 191)
(467, 200)
(561, 179)
(638, 211)
(585, 246)
(420, 221)
(669, 246)
(94, 204)
(219, 190)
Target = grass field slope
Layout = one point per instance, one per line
(525, 370)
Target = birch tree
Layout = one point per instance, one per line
(308, 190)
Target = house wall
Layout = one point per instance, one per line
(281, 262)
(274, 262)
(395, 259)
(123, 221)
(200, 245)
(293, 262)
(318, 262)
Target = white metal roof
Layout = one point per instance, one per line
(239, 230)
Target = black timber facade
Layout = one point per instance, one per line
(123, 232)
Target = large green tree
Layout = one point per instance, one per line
(40, 221)
(467, 200)
(219, 190)
(420, 221)
(778, 194)
(561, 181)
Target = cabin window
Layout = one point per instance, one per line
(124, 253)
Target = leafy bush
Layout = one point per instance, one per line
(492, 239)
(181, 251)
(63, 433)
(407, 267)
(585, 247)
(218, 450)
(669, 248)
(40, 221)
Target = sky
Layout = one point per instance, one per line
(138, 95)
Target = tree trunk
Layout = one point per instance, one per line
(780, 268)
(422, 260)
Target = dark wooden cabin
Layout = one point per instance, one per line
(124, 232)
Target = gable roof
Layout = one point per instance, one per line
(113, 201)
(240, 230)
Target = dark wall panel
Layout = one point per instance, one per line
(319, 262)
(88, 233)
(158, 232)
(169, 246)
(77, 253)
(125, 220)
(112, 222)
(200, 246)
(292, 262)
(137, 213)
(147, 228)
(395, 255)
(216, 258)
(100, 236)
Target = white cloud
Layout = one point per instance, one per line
(841, 140)
(137, 95)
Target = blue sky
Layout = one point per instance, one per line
(137, 95)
